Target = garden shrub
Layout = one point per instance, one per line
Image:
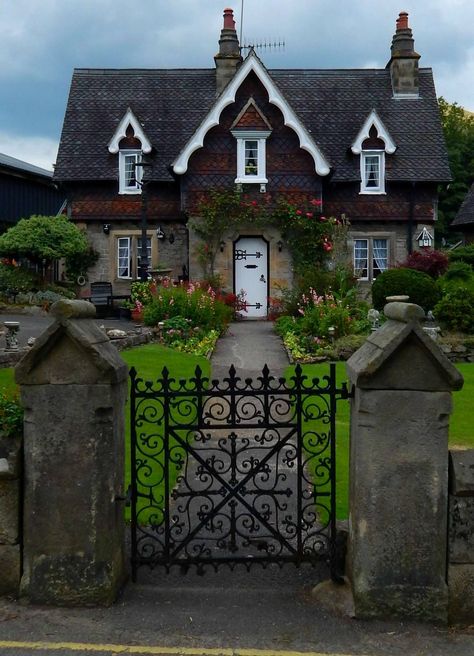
(459, 271)
(418, 286)
(430, 261)
(11, 414)
(455, 310)
(463, 254)
(16, 279)
(200, 306)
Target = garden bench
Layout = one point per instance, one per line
(103, 298)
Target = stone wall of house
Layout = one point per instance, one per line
(10, 528)
(461, 537)
(174, 255)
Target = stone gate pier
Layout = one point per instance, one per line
(399, 470)
(73, 389)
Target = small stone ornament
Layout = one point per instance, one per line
(11, 336)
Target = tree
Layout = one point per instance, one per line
(458, 127)
(42, 239)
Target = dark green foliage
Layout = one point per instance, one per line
(43, 238)
(420, 288)
(463, 254)
(11, 414)
(455, 310)
(78, 263)
(459, 271)
(15, 279)
(458, 128)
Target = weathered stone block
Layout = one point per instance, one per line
(461, 594)
(9, 511)
(461, 529)
(10, 457)
(10, 561)
(461, 472)
(398, 522)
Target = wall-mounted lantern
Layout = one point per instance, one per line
(280, 245)
(222, 246)
(106, 228)
(159, 233)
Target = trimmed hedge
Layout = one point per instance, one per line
(420, 287)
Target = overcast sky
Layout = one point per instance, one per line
(41, 41)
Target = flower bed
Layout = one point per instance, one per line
(189, 317)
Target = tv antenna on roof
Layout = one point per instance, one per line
(260, 45)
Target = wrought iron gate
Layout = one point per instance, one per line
(237, 471)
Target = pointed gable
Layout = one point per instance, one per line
(373, 128)
(275, 96)
(251, 118)
(129, 123)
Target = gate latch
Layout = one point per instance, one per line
(127, 498)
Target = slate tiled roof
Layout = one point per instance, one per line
(171, 104)
(465, 213)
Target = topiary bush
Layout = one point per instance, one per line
(463, 254)
(455, 311)
(420, 287)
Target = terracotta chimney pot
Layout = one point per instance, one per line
(402, 21)
(229, 22)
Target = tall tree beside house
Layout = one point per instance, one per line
(458, 127)
(43, 239)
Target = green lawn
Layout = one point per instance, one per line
(149, 361)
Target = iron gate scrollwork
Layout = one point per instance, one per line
(237, 471)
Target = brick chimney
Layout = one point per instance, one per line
(228, 58)
(403, 63)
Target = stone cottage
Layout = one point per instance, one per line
(139, 148)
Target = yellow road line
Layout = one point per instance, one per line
(147, 649)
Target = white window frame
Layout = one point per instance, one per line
(131, 241)
(124, 188)
(380, 188)
(370, 265)
(124, 242)
(260, 136)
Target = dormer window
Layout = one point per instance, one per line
(251, 156)
(372, 172)
(372, 143)
(130, 142)
(130, 175)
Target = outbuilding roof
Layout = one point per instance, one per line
(465, 213)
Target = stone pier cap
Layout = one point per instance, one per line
(401, 355)
(73, 338)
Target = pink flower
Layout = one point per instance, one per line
(316, 202)
(254, 203)
(299, 212)
(322, 218)
(309, 215)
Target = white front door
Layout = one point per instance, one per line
(251, 273)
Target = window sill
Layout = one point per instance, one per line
(251, 180)
(367, 192)
(129, 192)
